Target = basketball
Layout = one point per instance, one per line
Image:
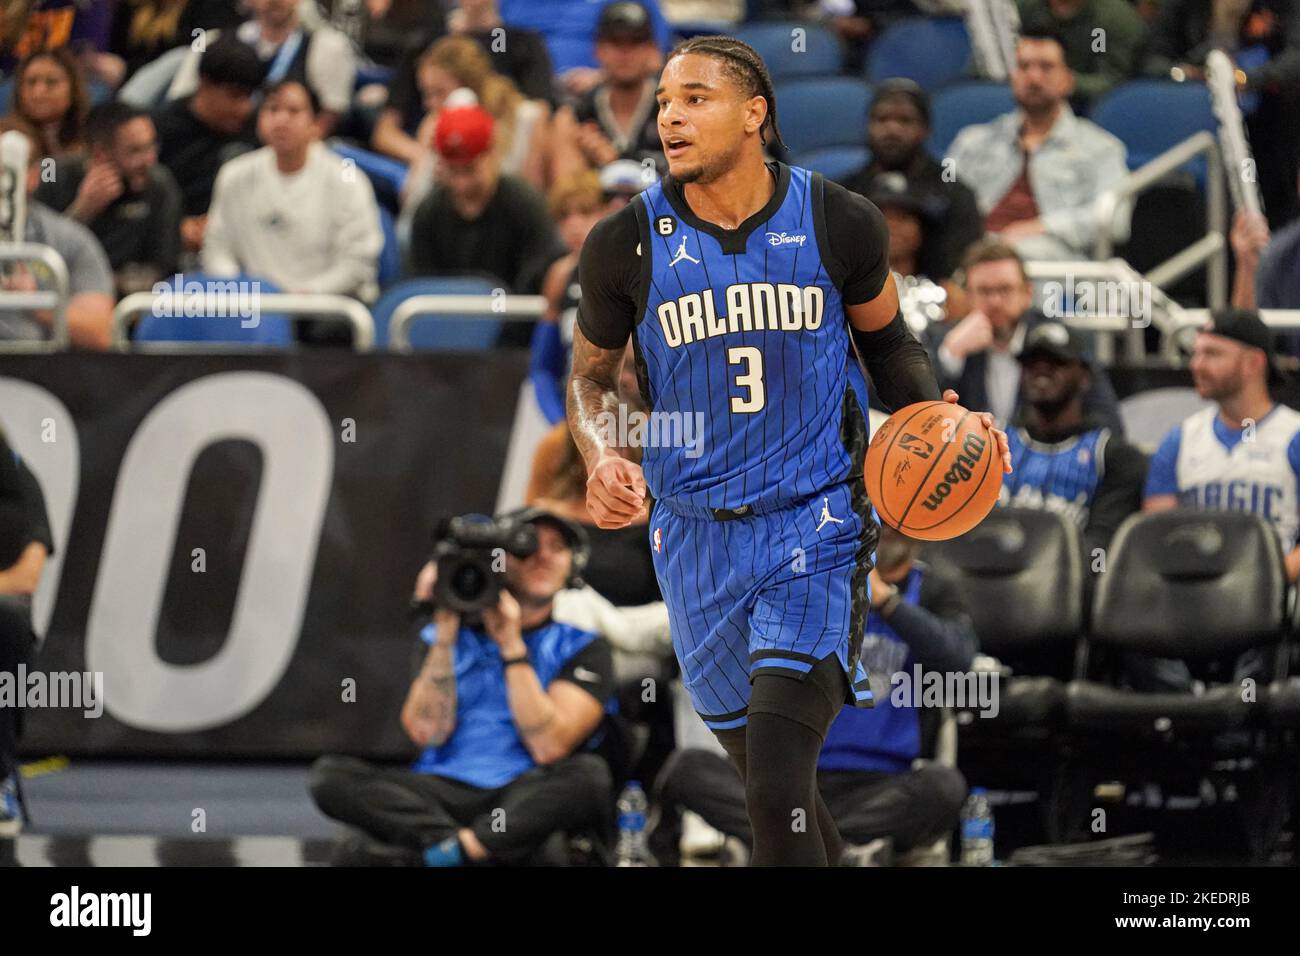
(933, 471)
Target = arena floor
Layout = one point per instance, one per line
(143, 814)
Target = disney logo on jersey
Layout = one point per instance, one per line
(786, 239)
(963, 466)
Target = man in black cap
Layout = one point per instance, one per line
(1063, 459)
(898, 125)
(619, 118)
(505, 712)
(1243, 452)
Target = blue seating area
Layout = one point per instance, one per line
(430, 333)
(793, 48)
(267, 331)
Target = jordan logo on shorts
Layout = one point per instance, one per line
(827, 517)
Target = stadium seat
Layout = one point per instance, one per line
(1020, 572)
(813, 51)
(372, 73)
(1148, 416)
(1150, 116)
(432, 332)
(271, 331)
(824, 111)
(1206, 589)
(1026, 559)
(390, 256)
(933, 51)
(833, 162)
(386, 175)
(965, 104)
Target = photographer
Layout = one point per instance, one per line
(503, 708)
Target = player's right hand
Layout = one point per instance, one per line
(615, 492)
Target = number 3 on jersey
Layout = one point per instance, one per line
(751, 378)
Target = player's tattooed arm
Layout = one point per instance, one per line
(615, 485)
(593, 390)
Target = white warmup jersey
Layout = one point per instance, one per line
(1258, 473)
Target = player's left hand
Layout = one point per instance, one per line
(949, 395)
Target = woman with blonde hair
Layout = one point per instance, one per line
(454, 64)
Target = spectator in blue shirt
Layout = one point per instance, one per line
(503, 710)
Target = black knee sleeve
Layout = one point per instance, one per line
(813, 701)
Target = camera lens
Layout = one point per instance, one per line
(468, 581)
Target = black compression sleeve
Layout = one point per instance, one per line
(898, 364)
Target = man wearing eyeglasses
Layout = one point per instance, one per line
(977, 355)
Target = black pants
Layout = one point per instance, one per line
(417, 810)
(17, 646)
(914, 808)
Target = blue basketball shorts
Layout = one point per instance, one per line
(764, 592)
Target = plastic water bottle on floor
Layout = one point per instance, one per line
(977, 829)
(632, 849)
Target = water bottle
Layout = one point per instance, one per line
(631, 827)
(977, 829)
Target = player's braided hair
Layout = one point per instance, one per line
(743, 64)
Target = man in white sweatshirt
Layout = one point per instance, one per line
(293, 212)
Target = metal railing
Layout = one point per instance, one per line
(295, 305)
(1166, 314)
(515, 308)
(55, 300)
(1210, 250)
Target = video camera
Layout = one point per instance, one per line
(469, 552)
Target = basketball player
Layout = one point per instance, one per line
(1242, 453)
(740, 284)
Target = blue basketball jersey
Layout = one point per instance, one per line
(745, 349)
(1058, 476)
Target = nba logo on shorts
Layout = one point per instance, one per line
(659, 541)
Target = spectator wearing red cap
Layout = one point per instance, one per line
(517, 54)
(477, 220)
(456, 71)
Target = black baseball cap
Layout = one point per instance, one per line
(903, 88)
(1245, 326)
(573, 535)
(1055, 340)
(624, 20)
(892, 189)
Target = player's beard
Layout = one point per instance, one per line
(710, 168)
